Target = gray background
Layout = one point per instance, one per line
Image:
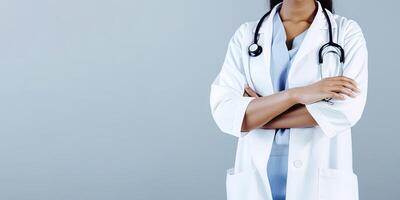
(110, 99)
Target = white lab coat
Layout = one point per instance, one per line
(320, 158)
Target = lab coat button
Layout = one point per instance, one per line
(297, 163)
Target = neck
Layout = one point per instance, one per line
(298, 10)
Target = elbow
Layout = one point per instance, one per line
(227, 126)
(354, 117)
(246, 124)
(227, 130)
(224, 124)
(228, 114)
(353, 120)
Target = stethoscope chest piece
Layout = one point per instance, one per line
(255, 50)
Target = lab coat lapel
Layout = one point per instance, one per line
(259, 67)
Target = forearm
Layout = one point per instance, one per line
(264, 109)
(295, 117)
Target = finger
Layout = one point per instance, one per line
(341, 78)
(337, 96)
(347, 82)
(245, 93)
(347, 87)
(347, 79)
(251, 92)
(343, 90)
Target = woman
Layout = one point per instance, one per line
(292, 143)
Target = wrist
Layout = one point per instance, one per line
(293, 95)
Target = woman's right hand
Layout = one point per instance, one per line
(332, 87)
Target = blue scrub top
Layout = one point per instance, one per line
(281, 60)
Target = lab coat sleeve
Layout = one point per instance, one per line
(228, 105)
(344, 114)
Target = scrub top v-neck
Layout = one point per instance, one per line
(281, 60)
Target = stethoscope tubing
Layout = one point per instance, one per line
(255, 49)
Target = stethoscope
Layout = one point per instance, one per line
(331, 47)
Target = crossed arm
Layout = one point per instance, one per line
(296, 116)
(285, 109)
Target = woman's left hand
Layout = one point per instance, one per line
(248, 92)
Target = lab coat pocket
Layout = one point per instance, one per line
(334, 184)
(242, 185)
